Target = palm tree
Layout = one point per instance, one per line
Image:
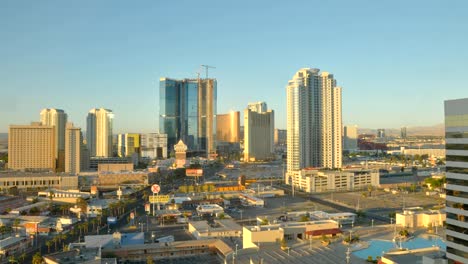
(49, 244)
(22, 257)
(55, 240)
(37, 258)
(16, 224)
(93, 222)
(12, 259)
(64, 238)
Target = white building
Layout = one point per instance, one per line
(315, 180)
(313, 121)
(99, 132)
(350, 138)
(417, 217)
(154, 145)
(259, 126)
(209, 209)
(456, 138)
(220, 228)
(58, 119)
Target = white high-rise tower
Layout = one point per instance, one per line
(58, 119)
(99, 132)
(314, 125)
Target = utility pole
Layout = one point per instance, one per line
(206, 69)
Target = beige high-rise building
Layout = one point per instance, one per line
(73, 149)
(99, 132)
(58, 119)
(31, 147)
(350, 138)
(259, 125)
(313, 121)
(228, 127)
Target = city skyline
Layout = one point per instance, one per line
(93, 54)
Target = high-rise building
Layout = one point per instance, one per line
(99, 132)
(259, 126)
(456, 139)
(32, 147)
(381, 133)
(350, 138)
(58, 119)
(128, 144)
(73, 149)
(403, 133)
(259, 107)
(228, 127)
(314, 127)
(280, 136)
(188, 113)
(154, 145)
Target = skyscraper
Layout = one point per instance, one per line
(188, 113)
(32, 147)
(99, 132)
(259, 126)
(350, 138)
(73, 149)
(403, 132)
(314, 137)
(58, 119)
(228, 127)
(456, 138)
(381, 133)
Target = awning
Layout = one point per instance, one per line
(332, 231)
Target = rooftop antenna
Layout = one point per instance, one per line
(206, 69)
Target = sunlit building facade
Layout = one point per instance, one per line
(456, 138)
(31, 147)
(128, 144)
(99, 132)
(314, 126)
(58, 119)
(228, 127)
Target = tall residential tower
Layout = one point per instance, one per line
(99, 132)
(313, 121)
(456, 138)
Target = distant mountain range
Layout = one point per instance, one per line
(435, 130)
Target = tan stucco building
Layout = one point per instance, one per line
(417, 217)
(31, 147)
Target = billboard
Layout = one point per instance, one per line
(111, 220)
(159, 199)
(194, 172)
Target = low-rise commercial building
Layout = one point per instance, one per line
(209, 209)
(13, 245)
(253, 235)
(317, 180)
(113, 179)
(417, 217)
(24, 180)
(218, 229)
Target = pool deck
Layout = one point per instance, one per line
(310, 253)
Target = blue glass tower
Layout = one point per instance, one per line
(187, 111)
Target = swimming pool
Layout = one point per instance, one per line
(379, 247)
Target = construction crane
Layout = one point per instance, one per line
(206, 69)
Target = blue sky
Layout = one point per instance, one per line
(396, 60)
